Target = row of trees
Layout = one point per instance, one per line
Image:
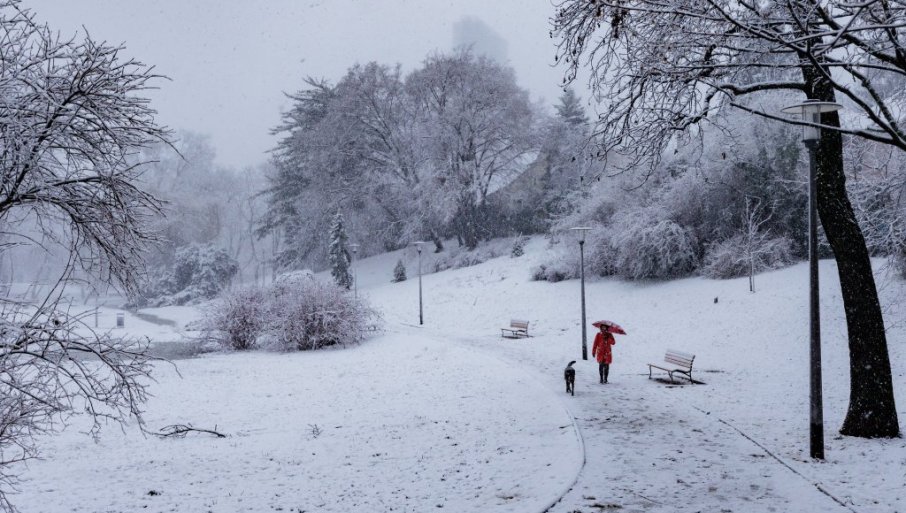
(408, 157)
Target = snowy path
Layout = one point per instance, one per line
(650, 448)
(404, 423)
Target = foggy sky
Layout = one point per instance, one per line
(229, 62)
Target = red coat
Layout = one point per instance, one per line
(601, 348)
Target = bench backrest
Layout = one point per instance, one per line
(680, 359)
(519, 325)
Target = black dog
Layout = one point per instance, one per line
(569, 374)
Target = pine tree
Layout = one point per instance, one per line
(570, 108)
(339, 253)
(518, 248)
(399, 272)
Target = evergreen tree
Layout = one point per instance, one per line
(399, 272)
(570, 108)
(339, 253)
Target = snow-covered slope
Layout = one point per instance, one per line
(450, 415)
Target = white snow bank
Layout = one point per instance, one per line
(404, 422)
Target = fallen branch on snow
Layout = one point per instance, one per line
(181, 430)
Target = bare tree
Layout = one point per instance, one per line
(753, 236)
(72, 120)
(663, 67)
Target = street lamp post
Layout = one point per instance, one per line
(355, 278)
(580, 232)
(418, 247)
(811, 111)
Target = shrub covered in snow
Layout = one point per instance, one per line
(313, 314)
(460, 257)
(296, 313)
(601, 253)
(652, 248)
(399, 272)
(733, 257)
(198, 272)
(564, 266)
(238, 319)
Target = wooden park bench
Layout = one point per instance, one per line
(517, 329)
(675, 362)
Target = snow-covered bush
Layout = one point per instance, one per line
(314, 314)
(564, 266)
(652, 248)
(733, 257)
(518, 248)
(296, 313)
(198, 272)
(600, 253)
(462, 257)
(238, 319)
(399, 271)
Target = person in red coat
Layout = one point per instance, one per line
(602, 352)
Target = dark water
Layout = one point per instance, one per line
(178, 350)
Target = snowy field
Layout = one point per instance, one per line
(451, 416)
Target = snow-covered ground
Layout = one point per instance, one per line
(449, 415)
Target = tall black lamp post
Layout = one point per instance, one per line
(418, 247)
(810, 111)
(355, 278)
(580, 232)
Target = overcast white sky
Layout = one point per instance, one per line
(230, 61)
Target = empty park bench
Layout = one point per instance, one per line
(675, 362)
(517, 329)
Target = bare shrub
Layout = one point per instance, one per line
(734, 257)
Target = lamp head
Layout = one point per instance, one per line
(580, 232)
(810, 111)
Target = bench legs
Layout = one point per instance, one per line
(670, 373)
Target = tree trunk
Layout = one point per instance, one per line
(872, 411)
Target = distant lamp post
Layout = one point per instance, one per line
(355, 279)
(418, 247)
(580, 233)
(810, 111)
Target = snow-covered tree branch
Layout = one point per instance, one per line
(72, 123)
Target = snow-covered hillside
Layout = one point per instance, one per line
(450, 415)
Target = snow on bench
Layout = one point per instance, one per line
(675, 362)
(517, 329)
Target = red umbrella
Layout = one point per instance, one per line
(610, 327)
